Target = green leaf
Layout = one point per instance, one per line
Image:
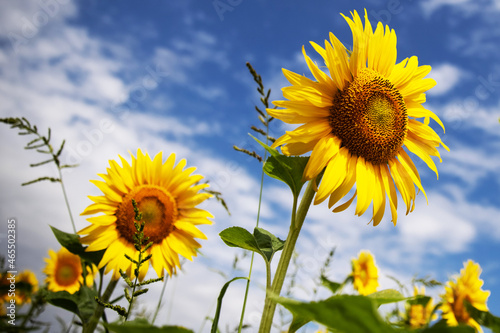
(267, 243)
(288, 169)
(262, 241)
(51, 179)
(297, 323)
(219, 302)
(142, 325)
(239, 237)
(81, 303)
(72, 243)
(344, 313)
(419, 300)
(333, 286)
(484, 318)
(441, 327)
(387, 296)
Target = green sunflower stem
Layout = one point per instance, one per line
(99, 311)
(298, 217)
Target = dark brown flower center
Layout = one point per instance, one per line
(67, 272)
(370, 117)
(158, 208)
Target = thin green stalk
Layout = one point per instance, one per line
(293, 234)
(159, 300)
(99, 311)
(253, 253)
(71, 324)
(65, 195)
(66, 200)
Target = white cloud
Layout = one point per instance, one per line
(182, 62)
(430, 6)
(21, 22)
(470, 165)
(38, 83)
(466, 7)
(64, 80)
(447, 77)
(437, 229)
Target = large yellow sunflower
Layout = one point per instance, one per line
(365, 273)
(64, 272)
(166, 196)
(467, 287)
(357, 119)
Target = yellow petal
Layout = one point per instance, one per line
(349, 180)
(365, 178)
(334, 176)
(378, 197)
(190, 229)
(325, 149)
(345, 205)
(391, 191)
(327, 86)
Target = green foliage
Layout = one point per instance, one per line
(72, 243)
(484, 318)
(441, 327)
(219, 302)
(264, 118)
(80, 303)
(218, 196)
(419, 300)
(268, 243)
(142, 325)
(386, 296)
(41, 144)
(117, 308)
(288, 169)
(141, 245)
(333, 286)
(344, 313)
(354, 313)
(261, 242)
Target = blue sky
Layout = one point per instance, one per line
(110, 77)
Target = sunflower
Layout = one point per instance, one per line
(357, 120)
(64, 272)
(467, 287)
(365, 273)
(166, 196)
(26, 284)
(419, 315)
